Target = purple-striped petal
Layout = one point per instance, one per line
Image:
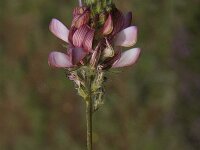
(81, 19)
(87, 44)
(79, 35)
(108, 26)
(127, 20)
(77, 55)
(118, 21)
(59, 30)
(59, 60)
(126, 37)
(127, 58)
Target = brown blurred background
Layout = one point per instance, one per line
(154, 105)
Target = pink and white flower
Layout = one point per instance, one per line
(123, 35)
(79, 39)
(117, 32)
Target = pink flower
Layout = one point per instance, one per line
(127, 38)
(117, 32)
(79, 40)
(123, 35)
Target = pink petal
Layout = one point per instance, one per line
(77, 55)
(127, 19)
(59, 30)
(108, 26)
(59, 60)
(79, 35)
(127, 58)
(87, 44)
(126, 37)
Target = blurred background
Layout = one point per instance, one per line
(152, 106)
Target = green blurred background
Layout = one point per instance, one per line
(154, 105)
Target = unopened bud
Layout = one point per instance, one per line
(108, 26)
(81, 17)
(108, 51)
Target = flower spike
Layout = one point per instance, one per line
(95, 41)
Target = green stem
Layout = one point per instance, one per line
(89, 111)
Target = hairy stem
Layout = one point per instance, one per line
(89, 110)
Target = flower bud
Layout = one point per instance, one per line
(81, 16)
(108, 51)
(108, 26)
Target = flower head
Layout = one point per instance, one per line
(95, 42)
(115, 33)
(79, 39)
